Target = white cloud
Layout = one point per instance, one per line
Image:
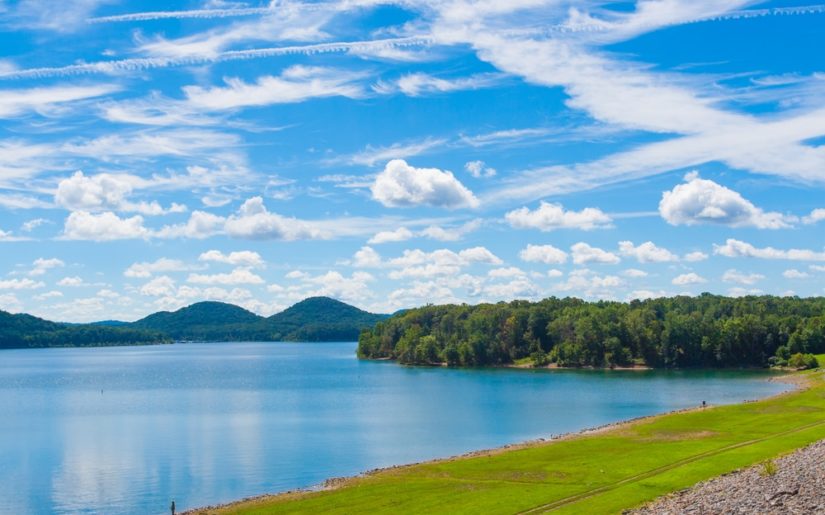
(17, 102)
(584, 253)
(236, 276)
(402, 185)
(417, 84)
(635, 273)
(20, 284)
(400, 234)
(549, 217)
(295, 84)
(33, 224)
(41, 266)
(245, 258)
(439, 233)
(742, 292)
(690, 278)
(73, 281)
(699, 201)
(366, 257)
(9, 302)
(554, 273)
(646, 294)
(199, 226)
(105, 192)
(735, 276)
(816, 216)
(253, 221)
(589, 284)
(479, 170)
(795, 274)
(547, 254)
(736, 248)
(695, 256)
(162, 265)
(510, 271)
(106, 226)
(417, 263)
(647, 252)
(371, 156)
(159, 287)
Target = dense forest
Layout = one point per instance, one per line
(703, 331)
(25, 331)
(314, 319)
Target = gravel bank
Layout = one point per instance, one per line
(796, 486)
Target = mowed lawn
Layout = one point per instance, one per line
(604, 472)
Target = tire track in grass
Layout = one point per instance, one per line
(543, 508)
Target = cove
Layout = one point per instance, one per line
(128, 429)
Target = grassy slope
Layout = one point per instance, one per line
(598, 473)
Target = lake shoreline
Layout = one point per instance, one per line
(798, 382)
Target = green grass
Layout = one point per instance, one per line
(821, 359)
(605, 472)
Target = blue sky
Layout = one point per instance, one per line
(397, 153)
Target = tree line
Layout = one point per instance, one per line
(703, 331)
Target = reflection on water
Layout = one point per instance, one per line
(126, 430)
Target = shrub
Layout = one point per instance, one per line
(801, 361)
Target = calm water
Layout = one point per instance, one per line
(125, 430)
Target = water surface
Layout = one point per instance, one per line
(126, 430)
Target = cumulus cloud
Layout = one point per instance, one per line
(400, 234)
(546, 254)
(418, 263)
(584, 253)
(73, 281)
(701, 201)
(479, 169)
(586, 282)
(236, 276)
(735, 276)
(689, 278)
(20, 284)
(647, 252)
(635, 273)
(245, 258)
(693, 257)
(106, 226)
(199, 226)
(41, 266)
(253, 221)
(159, 287)
(816, 216)
(402, 185)
(105, 192)
(795, 274)
(736, 248)
(147, 269)
(549, 217)
(366, 257)
(439, 233)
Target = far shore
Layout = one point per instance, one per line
(796, 381)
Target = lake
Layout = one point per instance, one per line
(127, 429)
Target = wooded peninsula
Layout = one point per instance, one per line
(679, 332)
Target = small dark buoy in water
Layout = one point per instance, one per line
(172, 507)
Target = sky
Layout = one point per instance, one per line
(393, 154)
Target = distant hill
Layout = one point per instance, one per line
(321, 319)
(26, 331)
(205, 321)
(315, 319)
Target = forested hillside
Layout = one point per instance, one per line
(25, 331)
(314, 319)
(704, 331)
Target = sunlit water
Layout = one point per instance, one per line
(126, 430)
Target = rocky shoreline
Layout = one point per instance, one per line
(792, 484)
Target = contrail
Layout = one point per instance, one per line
(144, 63)
(197, 13)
